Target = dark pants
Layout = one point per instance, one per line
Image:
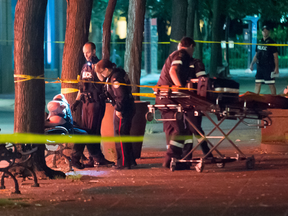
(92, 115)
(197, 121)
(125, 155)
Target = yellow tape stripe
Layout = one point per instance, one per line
(68, 90)
(28, 138)
(144, 95)
(171, 40)
(18, 138)
(72, 90)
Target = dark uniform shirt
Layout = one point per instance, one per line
(120, 95)
(197, 68)
(265, 53)
(181, 59)
(87, 74)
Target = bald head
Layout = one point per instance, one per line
(89, 50)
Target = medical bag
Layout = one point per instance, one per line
(218, 90)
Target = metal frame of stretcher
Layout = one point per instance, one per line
(236, 112)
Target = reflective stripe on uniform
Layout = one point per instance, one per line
(188, 141)
(177, 144)
(176, 62)
(230, 90)
(259, 80)
(200, 73)
(269, 81)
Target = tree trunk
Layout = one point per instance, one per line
(77, 31)
(29, 60)
(178, 22)
(198, 36)
(107, 29)
(192, 4)
(216, 53)
(133, 52)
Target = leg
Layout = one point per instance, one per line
(125, 156)
(196, 119)
(257, 87)
(272, 89)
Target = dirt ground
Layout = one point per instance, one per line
(150, 189)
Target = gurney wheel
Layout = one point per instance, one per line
(172, 168)
(199, 167)
(173, 164)
(250, 162)
(149, 116)
(220, 165)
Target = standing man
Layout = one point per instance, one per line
(266, 58)
(93, 108)
(176, 72)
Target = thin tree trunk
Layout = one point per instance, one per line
(198, 36)
(77, 31)
(107, 29)
(192, 5)
(178, 22)
(216, 54)
(133, 52)
(29, 60)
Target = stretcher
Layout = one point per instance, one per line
(246, 107)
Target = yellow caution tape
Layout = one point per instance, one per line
(28, 138)
(144, 95)
(22, 138)
(68, 90)
(171, 40)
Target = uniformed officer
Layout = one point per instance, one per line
(123, 102)
(266, 58)
(93, 108)
(175, 72)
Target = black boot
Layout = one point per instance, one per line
(90, 163)
(76, 163)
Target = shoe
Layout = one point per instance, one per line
(77, 164)
(133, 163)
(90, 163)
(104, 162)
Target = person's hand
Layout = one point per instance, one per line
(276, 70)
(74, 105)
(119, 115)
(251, 67)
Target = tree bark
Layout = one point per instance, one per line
(133, 52)
(198, 53)
(216, 53)
(77, 31)
(178, 23)
(192, 4)
(107, 29)
(29, 60)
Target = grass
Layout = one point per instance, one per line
(12, 204)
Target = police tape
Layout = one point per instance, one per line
(231, 42)
(25, 138)
(174, 41)
(29, 138)
(73, 90)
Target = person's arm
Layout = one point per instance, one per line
(77, 101)
(253, 61)
(276, 60)
(174, 76)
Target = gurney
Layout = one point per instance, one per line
(247, 106)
